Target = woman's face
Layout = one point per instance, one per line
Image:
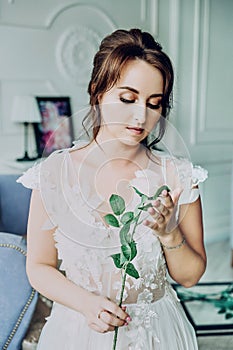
(132, 107)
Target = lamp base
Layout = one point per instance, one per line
(26, 158)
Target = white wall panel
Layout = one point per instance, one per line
(199, 40)
(215, 73)
(216, 196)
(47, 47)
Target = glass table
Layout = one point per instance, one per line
(209, 307)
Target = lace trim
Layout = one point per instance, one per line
(142, 323)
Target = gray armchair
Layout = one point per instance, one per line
(17, 298)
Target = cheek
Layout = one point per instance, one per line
(115, 113)
(152, 119)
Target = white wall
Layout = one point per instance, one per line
(46, 48)
(204, 113)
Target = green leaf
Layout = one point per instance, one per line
(111, 220)
(122, 259)
(159, 191)
(126, 250)
(138, 192)
(127, 217)
(133, 247)
(117, 204)
(136, 212)
(228, 315)
(124, 237)
(117, 260)
(129, 250)
(149, 205)
(144, 198)
(130, 270)
(222, 311)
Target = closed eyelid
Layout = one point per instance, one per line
(128, 94)
(127, 100)
(155, 99)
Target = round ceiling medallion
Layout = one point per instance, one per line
(75, 52)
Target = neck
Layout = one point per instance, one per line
(114, 149)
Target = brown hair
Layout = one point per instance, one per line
(114, 52)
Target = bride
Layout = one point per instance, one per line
(130, 97)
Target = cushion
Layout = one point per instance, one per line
(14, 205)
(17, 298)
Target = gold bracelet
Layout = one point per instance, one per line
(174, 247)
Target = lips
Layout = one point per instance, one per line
(135, 130)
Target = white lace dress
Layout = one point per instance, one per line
(84, 245)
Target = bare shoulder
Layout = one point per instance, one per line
(79, 154)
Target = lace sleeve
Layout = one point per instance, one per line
(45, 177)
(191, 175)
(43, 171)
(31, 178)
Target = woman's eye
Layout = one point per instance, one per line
(125, 100)
(153, 106)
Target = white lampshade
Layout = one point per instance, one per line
(25, 109)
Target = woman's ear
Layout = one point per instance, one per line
(99, 98)
(93, 86)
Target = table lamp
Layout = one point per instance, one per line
(25, 110)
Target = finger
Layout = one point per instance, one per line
(167, 199)
(105, 327)
(153, 212)
(160, 219)
(112, 320)
(153, 225)
(160, 207)
(163, 207)
(115, 309)
(95, 327)
(157, 210)
(102, 327)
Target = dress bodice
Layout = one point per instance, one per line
(85, 244)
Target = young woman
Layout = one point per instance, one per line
(130, 97)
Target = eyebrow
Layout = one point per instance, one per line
(137, 92)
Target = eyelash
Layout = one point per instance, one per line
(124, 100)
(150, 105)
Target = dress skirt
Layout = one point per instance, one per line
(161, 325)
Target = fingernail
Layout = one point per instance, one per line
(164, 193)
(156, 203)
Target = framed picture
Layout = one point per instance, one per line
(55, 130)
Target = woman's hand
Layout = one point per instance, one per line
(103, 315)
(163, 213)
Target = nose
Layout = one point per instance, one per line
(140, 113)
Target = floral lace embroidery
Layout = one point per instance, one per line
(198, 175)
(117, 286)
(142, 322)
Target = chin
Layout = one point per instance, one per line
(131, 141)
